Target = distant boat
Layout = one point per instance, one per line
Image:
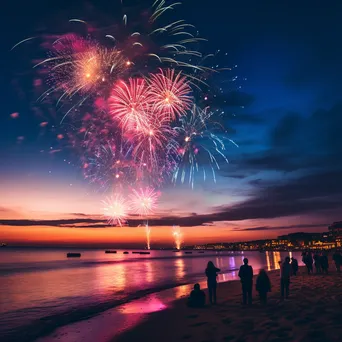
(125, 252)
(73, 255)
(188, 252)
(176, 251)
(144, 253)
(111, 252)
(136, 252)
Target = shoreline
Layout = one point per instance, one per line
(132, 314)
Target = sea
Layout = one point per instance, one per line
(42, 290)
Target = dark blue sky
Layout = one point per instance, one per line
(287, 121)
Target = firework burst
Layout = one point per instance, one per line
(129, 104)
(115, 209)
(170, 93)
(144, 201)
(200, 147)
(79, 66)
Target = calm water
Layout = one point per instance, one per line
(42, 287)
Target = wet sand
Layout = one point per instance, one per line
(312, 313)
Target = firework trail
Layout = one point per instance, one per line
(148, 235)
(178, 237)
(115, 209)
(143, 203)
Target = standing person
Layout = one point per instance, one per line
(294, 265)
(246, 277)
(338, 260)
(317, 259)
(324, 263)
(211, 273)
(309, 262)
(285, 278)
(263, 285)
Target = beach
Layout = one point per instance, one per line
(312, 313)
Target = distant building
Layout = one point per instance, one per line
(335, 230)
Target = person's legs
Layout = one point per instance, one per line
(214, 293)
(250, 294)
(263, 297)
(282, 287)
(244, 294)
(210, 289)
(287, 288)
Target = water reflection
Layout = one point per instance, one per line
(268, 263)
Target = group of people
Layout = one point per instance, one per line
(263, 285)
(318, 259)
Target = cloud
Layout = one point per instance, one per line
(297, 227)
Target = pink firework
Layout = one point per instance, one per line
(129, 104)
(170, 93)
(144, 201)
(115, 209)
(152, 145)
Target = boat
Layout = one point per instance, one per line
(135, 252)
(188, 252)
(125, 252)
(73, 255)
(176, 251)
(110, 252)
(144, 253)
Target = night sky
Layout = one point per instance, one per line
(285, 113)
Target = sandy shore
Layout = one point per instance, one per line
(312, 313)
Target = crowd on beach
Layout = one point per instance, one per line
(288, 268)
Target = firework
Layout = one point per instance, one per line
(144, 201)
(110, 164)
(115, 209)
(148, 235)
(79, 66)
(170, 93)
(201, 147)
(178, 237)
(130, 104)
(150, 146)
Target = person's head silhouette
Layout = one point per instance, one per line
(287, 260)
(197, 287)
(245, 261)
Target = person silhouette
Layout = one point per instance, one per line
(197, 297)
(246, 278)
(263, 286)
(211, 273)
(338, 260)
(285, 278)
(294, 265)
